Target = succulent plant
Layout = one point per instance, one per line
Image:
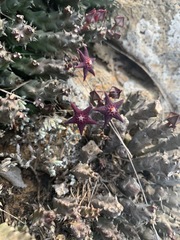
(13, 110)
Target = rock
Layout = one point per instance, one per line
(11, 173)
(151, 39)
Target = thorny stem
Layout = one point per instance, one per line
(134, 169)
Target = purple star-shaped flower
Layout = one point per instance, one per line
(94, 96)
(110, 110)
(119, 21)
(81, 117)
(95, 15)
(85, 62)
(173, 119)
(114, 92)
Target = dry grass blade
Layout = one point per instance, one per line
(134, 169)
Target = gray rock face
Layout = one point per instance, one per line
(152, 39)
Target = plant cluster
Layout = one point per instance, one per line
(105, 106)
(109, 109)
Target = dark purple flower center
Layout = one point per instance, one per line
(112, 110)
(88, 61)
